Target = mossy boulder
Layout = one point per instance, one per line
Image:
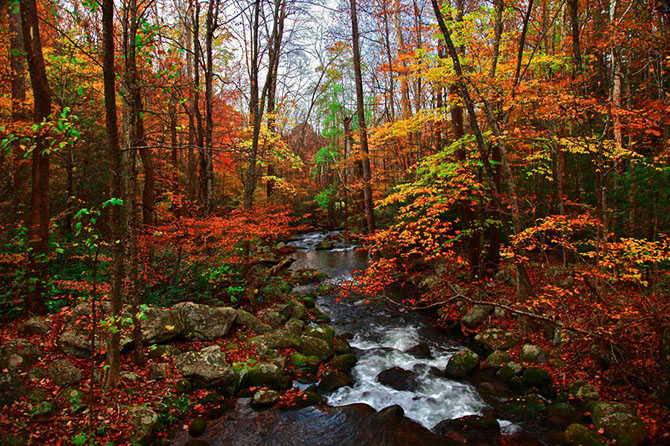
(533, 354)
(341, 346)
(625, 429)
(304, 399)
(604, 408)
(325, 289)
(248, 320)
(342, 363)
(322, 332)
(318, 347)
(524, 408)
(509, 371)
(308, 301)
(421, 351)
(273, 318)
(278, 339)
(304, 363)
(294, 326)
(161, 324)
(264, 374)
(294, 310)
(197, 427)
(495, 339)
(496, 360)
(461, 364)
(579, 435)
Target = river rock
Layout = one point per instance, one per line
(294, 310)
(145, 424)
(18, 355)
(495, 339)
(341, 346)
(461, 364)
(533, 354)
(476, 315)
(324, 332)
(206, 368)
(294, 326)
(472, 430)
(205, 323)
(63, 372)
(312, 346)
(34, 326)
(277, 339)
(304, 399)
(326, 244)
(496, 360)
(160, 325)
(253, 323)
(11, 388)
(398, 378)
(342, 363)
(420, 351)
(264, 398)
(334, 380)
(304, 364)
(579, 435)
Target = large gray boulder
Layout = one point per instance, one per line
(160, 325)
(250, 321)
(277, 339)
(75, 340)
(206, 368)
(145, 424)
(63, 372)
(205, 323)
(34, 326)
(476, 315)
(18, 355)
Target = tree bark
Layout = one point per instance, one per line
(360, 107)
(38, 229)
(115, 212)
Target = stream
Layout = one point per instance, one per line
(383, 336)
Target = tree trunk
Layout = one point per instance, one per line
(38, 229)
(115, 212)
(360, 106)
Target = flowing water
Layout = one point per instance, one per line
(382, 335)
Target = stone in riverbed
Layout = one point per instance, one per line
(334, 380)
(294, 326)
(277, 339)
(420, 351)
(398, 378)
(341, 346)
(461, 364)
(250, 321)
(496, 360)
(342, 363)
(509, 371)
(264, 374)
(205, 323)
(472, 430)
(524, 408)
(312, 346)
(324, 332)
(294, 310)
(264, 398)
